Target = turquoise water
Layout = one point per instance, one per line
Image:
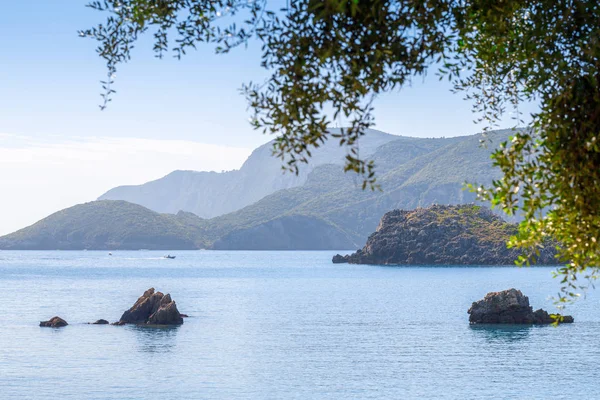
(282, 325)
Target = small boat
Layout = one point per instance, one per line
(170, 257)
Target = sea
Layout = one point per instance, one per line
(283, 325)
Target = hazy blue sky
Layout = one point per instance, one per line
(57, 149)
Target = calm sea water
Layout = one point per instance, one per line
(282, 325)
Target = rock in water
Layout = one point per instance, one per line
(510, 307)
(339, 259)
(143, 308)
(166, 315)
(100, 322)
(54, 322)
(152, 308)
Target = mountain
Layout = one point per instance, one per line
(108, 225)
(448, 235)
(412, 173)
(325, 210)
(210, 194)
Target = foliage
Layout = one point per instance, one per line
(330, 58)
(549, 52)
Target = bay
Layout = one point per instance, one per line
(282, 325)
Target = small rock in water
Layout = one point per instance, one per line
(54, 322)
(152, 308)
(339, 259)
(510, 307)
(100, 322)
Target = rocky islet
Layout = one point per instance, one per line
(442, 235)
(151, 308)
(511, 307)
(154, 308)
(505, 307)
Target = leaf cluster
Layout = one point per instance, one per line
(548, 52)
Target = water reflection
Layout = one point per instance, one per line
(502, 333)
(155, 339)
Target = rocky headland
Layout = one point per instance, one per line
(510, 307)
(453, 235)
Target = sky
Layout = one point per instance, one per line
(57, 149)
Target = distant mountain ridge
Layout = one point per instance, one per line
(327, 211)
(210, 194)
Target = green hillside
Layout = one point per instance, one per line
(109, 225)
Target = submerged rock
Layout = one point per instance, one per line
(54, 322)
(100, 322)
(152, 308)
(510, 307)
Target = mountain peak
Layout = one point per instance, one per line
(210, 194)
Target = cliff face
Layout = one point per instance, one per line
(211, 194)
(461, 234)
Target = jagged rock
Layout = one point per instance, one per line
(100, 322)
(510, 307)
(461, 234)
(166, 315)
(54, 322)
(152, 308)
(142, 309)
